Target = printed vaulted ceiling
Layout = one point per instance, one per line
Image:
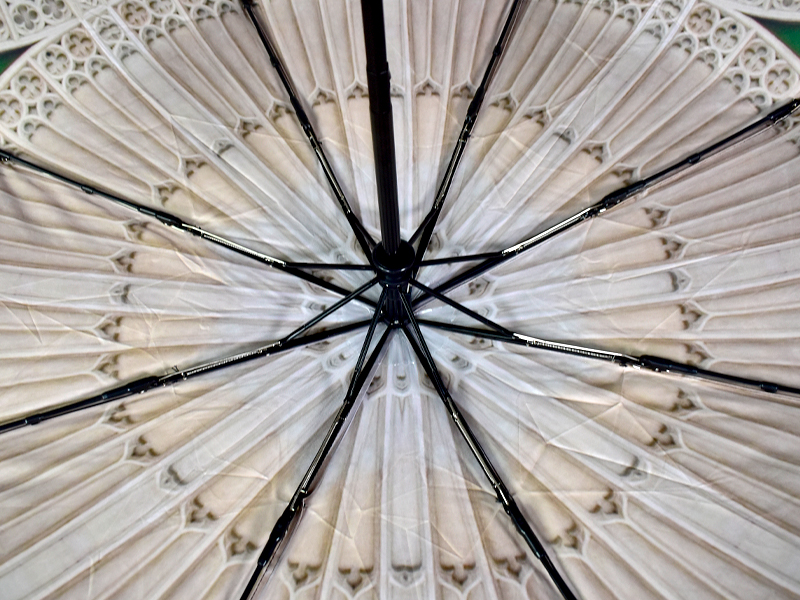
(640, 484)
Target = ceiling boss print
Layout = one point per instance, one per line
(455, 299)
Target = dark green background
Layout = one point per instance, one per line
(788, 33)
(6, 58)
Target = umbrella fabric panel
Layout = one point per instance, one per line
(399, 514)
(648, 485)
(167, 493)
(94, 296)
(700, 270)
(437, 53)
(644, 487)
(703, 270)
(136, 102)
(596, 99)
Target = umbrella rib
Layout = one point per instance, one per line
(460, 307)
(500, 489)
(447, 260)
(281, 530)
(492, 259)
(363, 354)
(648, 362)
(144, 384)
(425, 229)
(329, 266)
(330, 310)
(666, 365)
(362, 235)
(176, 222)
(504, 335)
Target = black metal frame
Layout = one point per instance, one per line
(361, 377)
(362, 235)
(170, 220)
(493, 259)
(425, 229)
(504, 497)
(380, 114)
(395, 308)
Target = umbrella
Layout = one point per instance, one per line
(567, 370)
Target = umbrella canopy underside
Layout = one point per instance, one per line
(639, 484)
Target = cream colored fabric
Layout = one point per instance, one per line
(641, 485)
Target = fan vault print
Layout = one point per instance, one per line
(639, 484)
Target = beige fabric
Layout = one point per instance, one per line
(641, 485)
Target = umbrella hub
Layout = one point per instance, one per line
(394, 273)
(394, 269)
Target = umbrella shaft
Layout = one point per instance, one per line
(380, 112)
(394, 304)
